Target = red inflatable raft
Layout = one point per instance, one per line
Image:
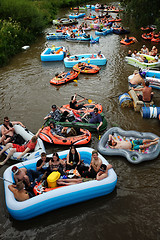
(86, 68)
(133, 39)
(64, 78)
(81, 139)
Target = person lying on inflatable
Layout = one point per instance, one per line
(131, 145)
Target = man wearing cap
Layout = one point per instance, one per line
(26, 175)
(95, 118)
(55, 114)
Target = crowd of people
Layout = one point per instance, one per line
(144, 50)
(72, 170)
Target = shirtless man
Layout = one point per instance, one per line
(19, 192)
(20, 174)
(137, 79)
(94, 167)
(147, 93)
(133, 145)
(7, 130)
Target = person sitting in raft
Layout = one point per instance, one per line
(129, 53)
(95, 118)
(55, 164)
(137, 79)
(60, 131)
(42, 163)
(99, 55)
(7, 130)
(30, 146)
(28, 177)
(55, 113)
(19, 192)
(73, 102)
(145, 60)
(103, 172)
(153, 51)
(61, 75)
(132, 145)
(83, 66)
(94, 167)
(147, 93)
(144, 50)
(73, 158)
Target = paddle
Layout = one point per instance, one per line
(89, 100)
(5, 180)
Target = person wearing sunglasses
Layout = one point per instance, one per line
(7, 130)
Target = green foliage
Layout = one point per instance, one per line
(21, 21)
(145, 12)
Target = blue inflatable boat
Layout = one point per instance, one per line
(59, 197)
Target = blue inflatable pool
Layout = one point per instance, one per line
(87, 58)
(53, 54)
(58, 197)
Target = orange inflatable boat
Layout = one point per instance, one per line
(64, 78)
(133, 39)
(86, 68)
(89, 108)
(83, 138)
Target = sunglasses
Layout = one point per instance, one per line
(6, 120)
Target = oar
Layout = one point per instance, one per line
(89, 100)
(5, 180)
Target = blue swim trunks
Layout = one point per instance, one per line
(136, 144)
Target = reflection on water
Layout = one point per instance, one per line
(132, 210)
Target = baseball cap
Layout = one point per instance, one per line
(15, 169)
(54, 106)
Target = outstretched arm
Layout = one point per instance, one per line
(17, 122)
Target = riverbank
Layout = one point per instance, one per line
(23, 21)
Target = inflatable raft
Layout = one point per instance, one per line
(89, 108)
(87, 68)
(75, 16)
(60, 197)
(26, 135)
(67, 77)
(48, 55)
(104, 32)
(83, 138)
(132, 156)
(65, 22)
(55, 36)
(132, 40)
(135, 62)
(81, 124)
(120, 31)
(87, 58)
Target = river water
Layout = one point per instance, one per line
(132, 210)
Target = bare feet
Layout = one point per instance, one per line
(2, 163)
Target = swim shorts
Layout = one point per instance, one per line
(136, 144)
